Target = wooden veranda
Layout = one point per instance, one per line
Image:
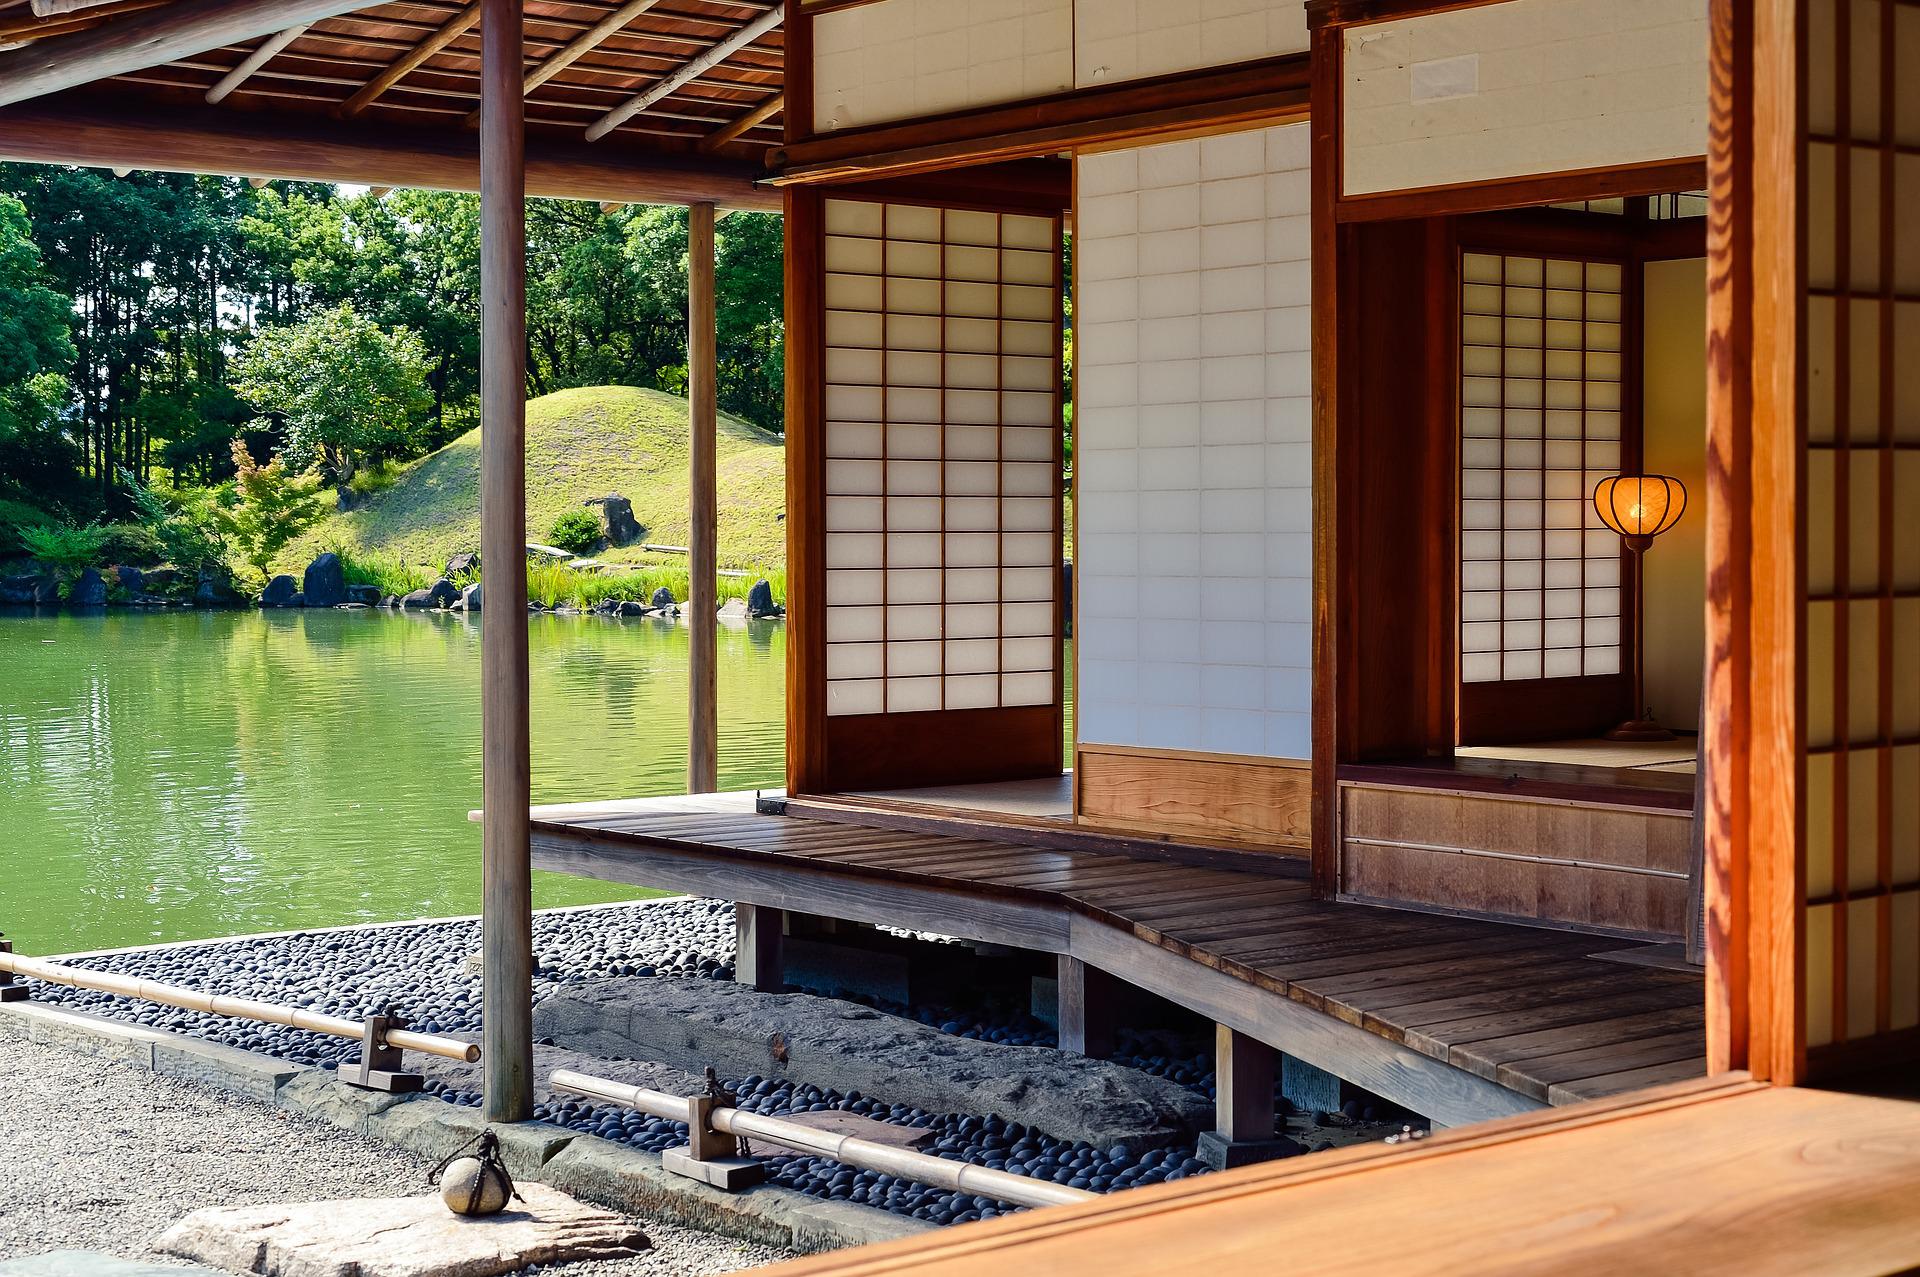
(1457, 1018)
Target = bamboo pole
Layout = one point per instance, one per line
(507, 925)
(869, 1155)
(220, 1004)
(703, 746)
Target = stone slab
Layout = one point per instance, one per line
(401, 1237)
(91, 1263)
(691, 1024)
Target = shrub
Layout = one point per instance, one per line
(64, 548)
(378, 477)
(187, 525)
(134, 544)
(576, 532)
(389, 575)
(15, 518)
(269, 508)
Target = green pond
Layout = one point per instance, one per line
(178, 775)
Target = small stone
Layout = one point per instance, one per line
(472, 1187)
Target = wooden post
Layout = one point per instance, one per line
(507, 867)
(1086, 1008)
(703, 562)
(759, 947)
(1243, 1074)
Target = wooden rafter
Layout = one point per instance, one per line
(268, 50)
(581, 45)
(720, 52)
(760, 114)
(152, 37)
(18, 31)
(455, 27)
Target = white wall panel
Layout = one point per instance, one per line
(1194, 446)
(1116, 40)
(908, 58)
(1528, 86)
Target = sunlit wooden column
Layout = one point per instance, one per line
(703, 732)
(507, 946)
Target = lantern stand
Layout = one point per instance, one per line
(1639, 508)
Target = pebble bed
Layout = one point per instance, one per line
(427, 972)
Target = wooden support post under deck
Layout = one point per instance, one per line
(507, 944)
(1243, 1076)
(759, 957)
(703, 566)
(1086, 1008)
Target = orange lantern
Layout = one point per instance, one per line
(1640, 507)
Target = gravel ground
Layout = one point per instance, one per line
(101, 1156)
(428, 972)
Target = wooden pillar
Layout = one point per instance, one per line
(1243, 1075)
(703, 733)
(758, 948)
(1086, 1008)
(507, 944)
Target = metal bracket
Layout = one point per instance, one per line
(381, 1066)
(10, 991)
(709, 1155)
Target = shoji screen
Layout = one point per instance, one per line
(1543, 383)
(1860, 540)
(940, 424)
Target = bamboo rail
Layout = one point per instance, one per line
(867, 1155)
(233, 1008)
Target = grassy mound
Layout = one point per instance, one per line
(580, 444)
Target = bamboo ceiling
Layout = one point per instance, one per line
(339, 68)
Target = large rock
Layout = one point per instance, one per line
(760, 600)
(401, 1237)
(663, 599)
(21, 591)
(213, 590)
(131, 580)
(161, 580)
(440, 594)
(89, 590)
(280, 592)
(325, 583)
(46, 591)
(470, 598)
(365, 595)
(616, 519)
(690, 1024)
(463, 562)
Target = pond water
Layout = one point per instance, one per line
(177, 775)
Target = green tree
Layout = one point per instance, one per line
(267, 508)
(348, 390)
(36, 350)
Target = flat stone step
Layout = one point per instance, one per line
(401, 1237)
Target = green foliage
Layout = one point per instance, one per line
(386, 573)
(267, 508)
(15, 517)
(36, 352)
(188, 525)
(63, 547)
(348, 389)
(134, 544)
(557, 585)
(576, 531)
(377, 477)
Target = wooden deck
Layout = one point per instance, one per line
(1719, 1177)
(1455, 1018)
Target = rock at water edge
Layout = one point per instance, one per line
(760, 600)
(470, 598)
(663, 599)
(280, 592)
(325, 583)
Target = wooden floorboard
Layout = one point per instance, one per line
(1527, 1008)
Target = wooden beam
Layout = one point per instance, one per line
(1653, 178)
(1243, 1076)
(1086, 1008)
(82, 129)
(1333, 14)
(760, 114)
(269, 48)
(581, 45)
(702, 537)
(506, 775)
(154, 37)
(759, 947)
(719, 53)
(18, 31)
(410, 61)
(1269, 90)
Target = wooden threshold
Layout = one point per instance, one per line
(1549, 782)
